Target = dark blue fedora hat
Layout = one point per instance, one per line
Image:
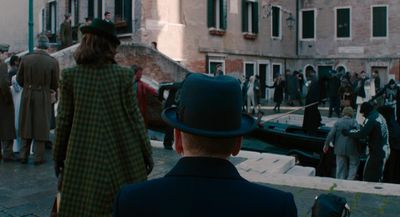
(210, 107)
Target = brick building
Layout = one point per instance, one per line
(262, 37)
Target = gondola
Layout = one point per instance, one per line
(291, 136)
(307, 148)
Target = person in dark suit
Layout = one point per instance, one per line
(208, 129)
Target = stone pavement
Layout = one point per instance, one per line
(28, 190)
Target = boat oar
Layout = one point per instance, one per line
(295, 110)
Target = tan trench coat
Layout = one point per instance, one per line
(37, 74)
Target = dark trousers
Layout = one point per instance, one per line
(6, 145)
(334, 104)
(169, 137)
(26, 147)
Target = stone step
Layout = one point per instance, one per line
(268, 163)
(301, 171)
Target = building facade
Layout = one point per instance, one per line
(14, 22)
(262, 37)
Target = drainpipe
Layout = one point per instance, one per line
(30, 26)
(297, 27)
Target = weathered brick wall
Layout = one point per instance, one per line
(156, 66)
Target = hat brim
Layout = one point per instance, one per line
(90, 29)
(247, 124)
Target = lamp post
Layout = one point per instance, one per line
(290, 21)
(30, 26)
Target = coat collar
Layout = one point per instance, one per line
(206, 167)
(39, 51)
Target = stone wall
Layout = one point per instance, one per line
(157, 66)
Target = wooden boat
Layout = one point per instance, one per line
(291, 136)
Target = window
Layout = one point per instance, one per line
(212, 66)
(249, 69)
(379, 21)
(343, 23)
(250, 16)
(42, 22)
(307, 29)
(217, 14)
(95, 9)
(276, 69)
(276, 22)
(73, 9)
(123, 16)
(51, 25)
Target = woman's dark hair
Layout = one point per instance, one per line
(136, 68)
(366, 108)
(95, 50)
(13, 60)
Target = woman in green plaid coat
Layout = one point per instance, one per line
(101, 141)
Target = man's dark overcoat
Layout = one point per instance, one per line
(38, 74)
(376, 131)
(101, 135)
(7, 120)
(65, 34)
(312, 116)
(203, 186)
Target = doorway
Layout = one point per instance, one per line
(383, 74)
(264, 79)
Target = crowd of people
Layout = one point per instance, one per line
(102, 144)
(373, 130)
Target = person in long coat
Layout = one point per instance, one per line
(345, 148)
(142, 90)
(66, 32)
(279, 86)
(101, 140)
(391, 173)
(38, 74)
(7, 127)
(312, 116)
(376, 130)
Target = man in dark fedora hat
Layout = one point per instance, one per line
(209, 127)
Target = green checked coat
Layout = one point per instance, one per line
(101, 136)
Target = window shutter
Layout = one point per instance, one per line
(308, 25)
(100, 9)
(245, 18)
(275, 21)
(211, 14)
(255, 17)
(343, 23)
(224, 14)
(91, 8)
(379, 22)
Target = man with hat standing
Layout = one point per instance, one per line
(38, 75)
(208, 129)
